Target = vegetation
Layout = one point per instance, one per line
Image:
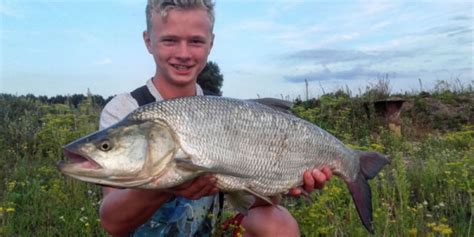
(426, 191)
(211, 78)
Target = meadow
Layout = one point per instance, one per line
(426, 191)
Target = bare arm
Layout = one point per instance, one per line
(124, 210)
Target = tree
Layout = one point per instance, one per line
(211, 79)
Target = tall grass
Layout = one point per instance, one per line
(35, 198)
(426, 191)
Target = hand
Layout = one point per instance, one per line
(196, 188)
(312, 179)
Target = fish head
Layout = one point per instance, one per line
(128, 154)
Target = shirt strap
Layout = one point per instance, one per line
(142, 95)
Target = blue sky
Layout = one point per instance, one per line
(264, 48)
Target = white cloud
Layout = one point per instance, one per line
(9, 11)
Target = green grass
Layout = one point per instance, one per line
(426, 191)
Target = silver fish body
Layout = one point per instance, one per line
(246, 145)
(259, 147)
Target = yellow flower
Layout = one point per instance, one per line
(412, 232)
(10, 209)
(443, 229)
(431, 225)
(446, 231)
(11, 185)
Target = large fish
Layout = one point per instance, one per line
(251, 148)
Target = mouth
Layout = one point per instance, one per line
(181, 67)
(77, 160)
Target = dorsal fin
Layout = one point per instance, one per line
(281, 105)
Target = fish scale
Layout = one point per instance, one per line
(253, 139)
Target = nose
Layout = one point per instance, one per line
(182, 51)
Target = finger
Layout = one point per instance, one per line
(295, 192)
(308, 180)
(327, 171)
(195, 186)
(208, 189)
(319, 178)
(182, 186)
(205, 191)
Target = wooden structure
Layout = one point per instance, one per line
(389, 109)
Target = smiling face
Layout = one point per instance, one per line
(180, 44)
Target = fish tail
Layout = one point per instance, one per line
(370, 165)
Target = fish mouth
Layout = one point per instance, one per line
(77, 160)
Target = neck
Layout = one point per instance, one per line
(169, 91)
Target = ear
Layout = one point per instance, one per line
(212, 40)
(147, 40)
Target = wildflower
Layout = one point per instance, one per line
(444, 219)
(412, 232)
(429, 215)
(10, 209)
(11, 185)
(1, 210)
(425, 203)
(62, 218)
(431, 225)
(446, 231)
(82, 209)
(441, 204)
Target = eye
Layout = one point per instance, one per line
(105, 145)
(197, 41)
(168, 41)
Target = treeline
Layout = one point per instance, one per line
(73, 100)
(210, 80)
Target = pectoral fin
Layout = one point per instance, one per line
(265, 198)
(240, 201)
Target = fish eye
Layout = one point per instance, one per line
(105, 145)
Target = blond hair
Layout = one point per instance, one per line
(162, 7)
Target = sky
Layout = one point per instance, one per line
(263, 48)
